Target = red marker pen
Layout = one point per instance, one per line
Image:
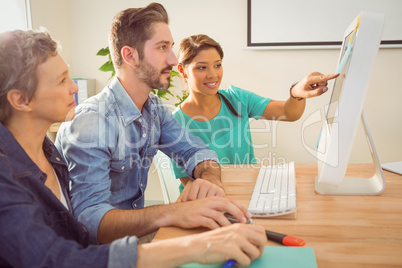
(286, 240)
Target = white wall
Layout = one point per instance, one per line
(55, 17)
(268, 73)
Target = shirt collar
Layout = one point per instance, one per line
(10, 146)
(12, 149)
(129, 111)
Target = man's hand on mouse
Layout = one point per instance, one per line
(206, 212)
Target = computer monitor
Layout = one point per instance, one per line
(359, 49)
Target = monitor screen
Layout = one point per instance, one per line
(343, 65)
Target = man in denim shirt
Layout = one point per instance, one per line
(111, 142)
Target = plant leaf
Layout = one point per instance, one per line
(113, 73)
(173, 74)
(103, 52)
(163, 93)
(107, 67)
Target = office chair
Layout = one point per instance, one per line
(169, 184)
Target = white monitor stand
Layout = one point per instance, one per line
(357, 186)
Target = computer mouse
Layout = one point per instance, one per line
(234, 220)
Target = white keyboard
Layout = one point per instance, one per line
(274, 191)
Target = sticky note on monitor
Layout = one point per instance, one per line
(345, 58)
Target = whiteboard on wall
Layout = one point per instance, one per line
(15, 14)
(292, 24)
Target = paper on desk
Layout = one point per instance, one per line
(281, 256)
(395, 167)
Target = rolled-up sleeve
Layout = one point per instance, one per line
(123, 252)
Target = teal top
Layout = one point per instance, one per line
(228, 135)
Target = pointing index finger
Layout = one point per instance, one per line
(322, 78)
(330, 76)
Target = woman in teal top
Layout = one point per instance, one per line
(221, 117)
(226, 133)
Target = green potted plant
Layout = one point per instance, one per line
(108, 67)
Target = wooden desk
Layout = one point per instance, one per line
(344, 231)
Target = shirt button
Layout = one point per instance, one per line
(58, 159)
(140, 120)
(122, 168)
(141, 185)
(144, 135)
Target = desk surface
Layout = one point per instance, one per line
(344, 231)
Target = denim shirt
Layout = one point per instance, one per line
(110, 145)
(36, 229)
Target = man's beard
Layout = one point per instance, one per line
(151, 76)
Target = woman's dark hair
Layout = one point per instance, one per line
(230, 106)
(190, 47)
